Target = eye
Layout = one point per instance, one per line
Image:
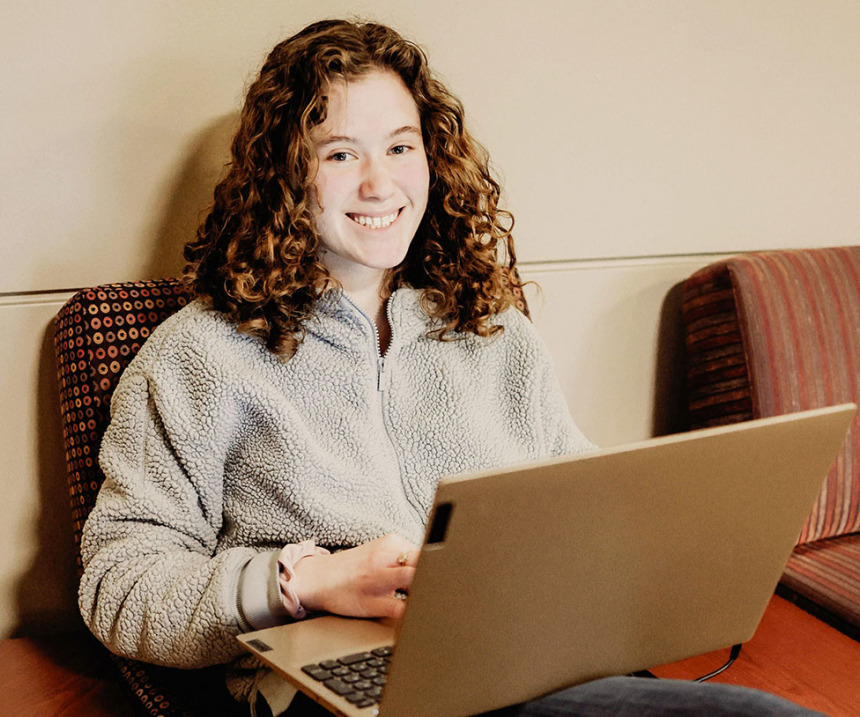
(400, 149)
(338, 156)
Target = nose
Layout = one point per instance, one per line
(377, 181)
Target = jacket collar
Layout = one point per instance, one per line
(338, 319)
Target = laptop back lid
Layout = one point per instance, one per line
(536, 578)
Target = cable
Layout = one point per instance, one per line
(733, 655)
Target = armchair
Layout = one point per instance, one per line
(97, 333)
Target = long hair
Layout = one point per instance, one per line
(256, 254)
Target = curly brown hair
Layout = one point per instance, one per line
(256, 255)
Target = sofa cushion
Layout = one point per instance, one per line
(827, 574)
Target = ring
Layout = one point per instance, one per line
(403, 558)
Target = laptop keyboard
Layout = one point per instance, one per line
(358, 678)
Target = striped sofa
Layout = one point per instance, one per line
(774, 332)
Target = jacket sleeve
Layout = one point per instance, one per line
(560, 432)
(557, 432)
(154, 587)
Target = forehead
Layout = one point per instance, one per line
(377, 100)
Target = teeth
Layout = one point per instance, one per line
(374, 222)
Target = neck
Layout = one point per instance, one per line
(367, 299)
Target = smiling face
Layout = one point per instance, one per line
(373, 179)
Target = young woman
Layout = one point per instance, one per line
(275, 446)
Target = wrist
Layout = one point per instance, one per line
(297, 591)
(307, 582)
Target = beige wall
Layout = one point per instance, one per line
(636, 141)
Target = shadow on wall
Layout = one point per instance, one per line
(46, 596)
(188, 196)
(670, 413)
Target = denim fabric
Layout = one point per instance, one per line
(630, 697)
(642, 697)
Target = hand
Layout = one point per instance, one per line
(359, 582)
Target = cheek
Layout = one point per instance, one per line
(326, 191)
(417, 179)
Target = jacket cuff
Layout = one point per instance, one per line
(259, 593)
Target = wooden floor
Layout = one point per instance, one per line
(793, 655)
(58, 677)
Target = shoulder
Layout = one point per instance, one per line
(518, 333)
(515, 321)
(195, 337)
(408, 314)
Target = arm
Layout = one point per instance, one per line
(556, 433)
(153, 587)
(561, 434)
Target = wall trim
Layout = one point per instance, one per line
(538, 267)
(36, 298)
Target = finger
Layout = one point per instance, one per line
(398, 603)
(407, 558)
(396, 608)
(394, 578)
(402, 577)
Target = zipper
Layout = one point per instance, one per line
(383, 381)
(383, 378)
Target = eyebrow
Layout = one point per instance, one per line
(345, 139)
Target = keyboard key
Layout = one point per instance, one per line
(339, 687)
(317, 672)
(355, 697)
(357, 657)
(358, 678)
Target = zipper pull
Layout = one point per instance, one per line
(384, 377)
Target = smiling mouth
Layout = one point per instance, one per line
(375, 222)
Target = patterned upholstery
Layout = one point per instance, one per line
(775, 332)
(97, 333)
(515, 282)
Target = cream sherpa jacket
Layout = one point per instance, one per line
(218, 454)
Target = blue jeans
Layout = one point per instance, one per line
(630, 697)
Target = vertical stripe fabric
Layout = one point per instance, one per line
(770, 333)
(827, 573)
(800, 320)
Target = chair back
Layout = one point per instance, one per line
(769, 333)
(97, 333)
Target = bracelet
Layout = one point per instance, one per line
(290, 555)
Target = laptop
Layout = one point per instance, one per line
(537, 577)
